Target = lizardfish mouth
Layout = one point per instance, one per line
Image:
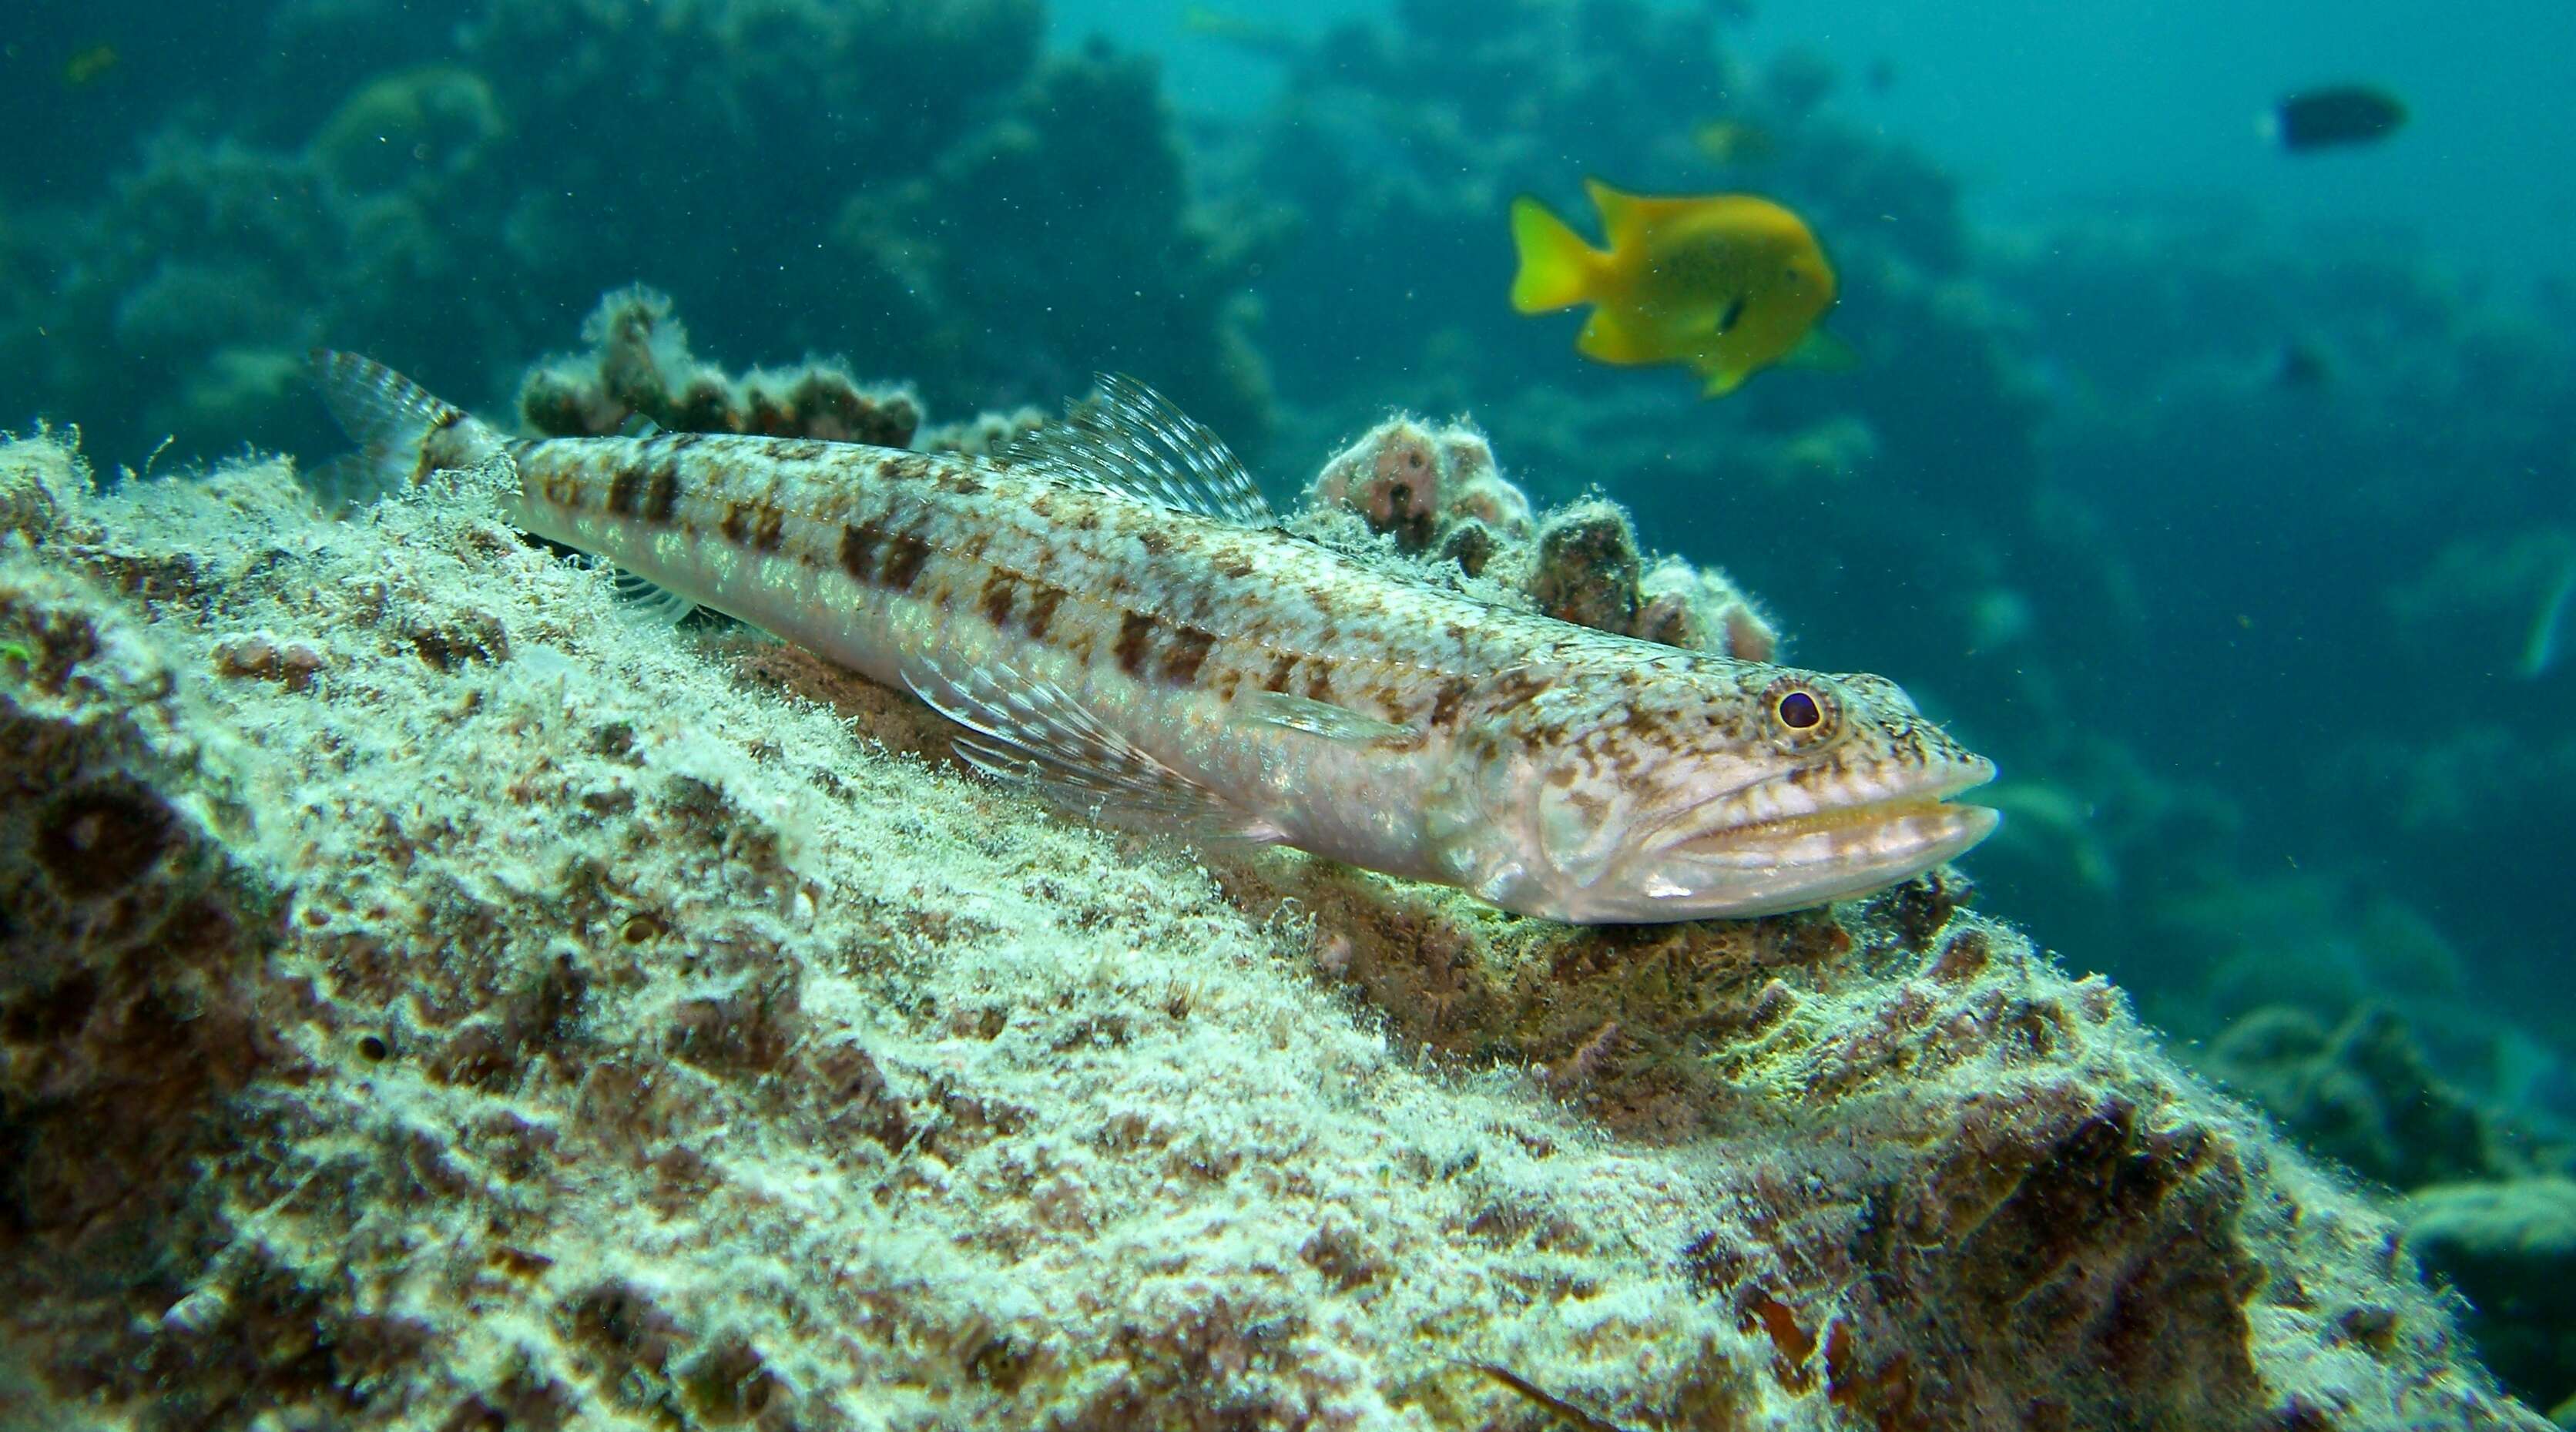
(1869, 839)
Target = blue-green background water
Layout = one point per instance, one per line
(2126, 104)
(2220, 493)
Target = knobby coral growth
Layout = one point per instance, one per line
(640, 369)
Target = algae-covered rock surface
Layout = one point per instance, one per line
(434, 996)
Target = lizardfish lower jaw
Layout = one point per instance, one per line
(1793, 862)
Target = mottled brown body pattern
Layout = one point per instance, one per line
(1161, 596)
(1071, 607)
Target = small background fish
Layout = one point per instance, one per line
(2334, 117)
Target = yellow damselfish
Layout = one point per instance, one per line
(1727, 283)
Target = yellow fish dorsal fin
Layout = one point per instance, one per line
(1557, 266)
(1623, 215)
(1626, 219)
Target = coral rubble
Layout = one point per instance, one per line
(512, 1014)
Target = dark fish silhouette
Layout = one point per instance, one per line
(2335, 116)
(2302, 366)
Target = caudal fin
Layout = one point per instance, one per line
(403, 433)
(1556, 264)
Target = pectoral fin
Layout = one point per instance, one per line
(1722, 379)
(1317, 718)
(1033, 732)
(655, 602)
(1610, 339)
(1823, 352)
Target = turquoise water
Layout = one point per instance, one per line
(2129, 105)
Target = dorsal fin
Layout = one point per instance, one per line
(380, 409)
(1620, 220)
(1127, 439)
(1627, 218)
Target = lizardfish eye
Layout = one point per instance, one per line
(1805, 713)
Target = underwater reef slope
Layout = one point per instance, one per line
(431, 996)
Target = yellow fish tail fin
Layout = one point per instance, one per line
(1556, 264)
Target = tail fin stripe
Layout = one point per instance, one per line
(395, 422)
(375, 404)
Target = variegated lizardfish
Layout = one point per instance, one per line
(1110, 612)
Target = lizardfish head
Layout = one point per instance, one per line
(1684, 787)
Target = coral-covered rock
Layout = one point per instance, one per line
(1586, 567)
(40, 481)
(1699, 607)
(582, 1033)
(132, 927)
(1974, 1145)
(1418, 483)
(1437, 492)
(640, 368)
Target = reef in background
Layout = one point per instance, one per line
(2489, 1204)
(906, 179)
(508, 1012)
